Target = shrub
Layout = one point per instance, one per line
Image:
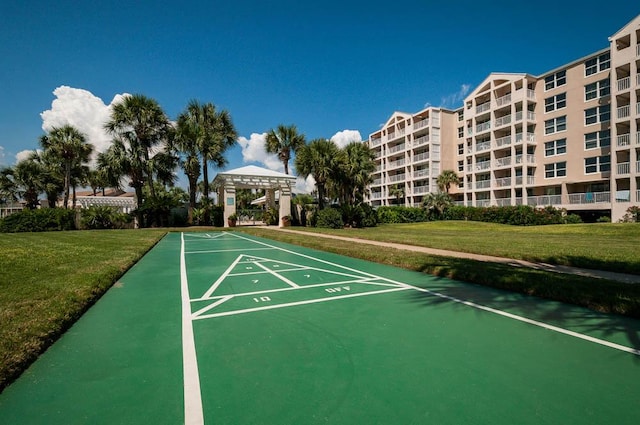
(40, 220)
(102, 217)
(402, 215)
(632, 215)
(604, 219)
(520, 215)
(330, 217)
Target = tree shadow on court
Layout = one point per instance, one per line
(554, 298)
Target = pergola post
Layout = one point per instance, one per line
(229, 203)
(285, 203)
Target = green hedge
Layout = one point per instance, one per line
(521, 215)
(40, 220)
(402, 214)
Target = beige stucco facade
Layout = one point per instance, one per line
(568, 138)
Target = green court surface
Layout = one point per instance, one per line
(225, 328)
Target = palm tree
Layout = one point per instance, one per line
(26, 180)
(188, 135)
(358, 166)
(282, 141)
(396, 191)
(51, 174)
(436, 203)
(446, 179)
(321, 158)
(69, 146)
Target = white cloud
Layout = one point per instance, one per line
(253, 150)
(307, 185)
(83, 110)
(453, 100)
(22, 155)
(344, 137)
(2, 162)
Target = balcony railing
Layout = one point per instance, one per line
(624, 83)
(638, 195)
(421, 141)
(503, 141)
(504, 181)
(590, 198)
(395, 164)
(503, 202)
(483, 107)
(638, 50)
(503, 100)
(483, 146)
(624, 139)
(398, 148)
(502, 121)
(503, 162)
(638, 79)
(531, 159)
(421, 157)
(376, 195)
(623, 111)
(424, 172)
(376, 142)
(638, 108)
(377, 182)
(531, 94)
(624, 168)
(397, 178)
(419, 190)
(483, 165)
(638, 138)
(531, 138)
(544, 200)
(483, 202)
(485, 126)
(420, 124)
(483, 184)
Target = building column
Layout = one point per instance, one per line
(285, 204)
(229, 199)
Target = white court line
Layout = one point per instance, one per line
(282, 278)
(221, 278)
(213, 305)
(229, 250)
(472, 304)
(317, 300)
(193, 414)
(319, 285)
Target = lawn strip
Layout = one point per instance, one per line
(597, 294)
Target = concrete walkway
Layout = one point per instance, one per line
(620, 277)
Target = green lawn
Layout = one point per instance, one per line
(602, 246)
(47, 280)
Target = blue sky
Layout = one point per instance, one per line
(325, 66)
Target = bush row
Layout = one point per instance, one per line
(521, 215)
(39, 220)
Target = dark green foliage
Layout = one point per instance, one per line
(330, 217)
(402, 215)
(362, 215)
(40, 220)
(604, 219)
(103, 217)
(521, 215)
(271, 217)
(217, 215)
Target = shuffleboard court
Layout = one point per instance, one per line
(225, 328)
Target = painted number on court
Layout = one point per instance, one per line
(262, 299)
(338, 289)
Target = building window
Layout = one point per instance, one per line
(597, 114)
(460, 132)
(460, 115)
(600, 88)
(557, 169)
(597, 64)
(461, 149)
(555, 80)
(555, 125)
(597, 139)
(555, 102)
(597, 164)
(556, 147)
(460, 165)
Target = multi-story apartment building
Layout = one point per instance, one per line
(568, 138)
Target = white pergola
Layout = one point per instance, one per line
(252, 177)
(125, 204)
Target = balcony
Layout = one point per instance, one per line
(485, 126)
(624, 168)
(624, 83)
(483, 107)
(503, 202)
(638, 108)
(544, 200)
(483, 184)
(420, 124)
(397, 178)
(503, 141)
(531, 94)
(624, 140)
(483, 202)
(395, 164)
(623, 111)
(638, 50)
(638, 168)
(638, 79)
(503, 162)
(504, 181)
(376, 195)
(419, 190)
(484, 146)
(424, 172)
(483, 165)
(589, 198)
(503, 100)
(421, 157)
(531, 159)
(376, 182)
(638, 138)
(531, 138)
(376, 142)
(397, 148)
(420, 141)
(530, 180)
(502, 121)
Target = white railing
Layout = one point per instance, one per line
(531, 116)
(483, 146)
(624, 111)
(531, 180)
(421, 157)
(503, 141)
(483, 184)
(483, 202)
(638, 79)
(624, 139)
(391, 136)
(483, 107)
(376, 182)
(397, 178)
(483, 127)
(395, 164)
(531, 158)
(624, 168)
(544, 200)
(376, 195)
(519, 158)
(378, 168)
(503, 121)
(377, 154)
(504, 181)
(398, 148)
(503, 162)
(503, 202)
(420, 124)
(518, 201)
(376, 142)
(483, 165)
(531, 94)
(419, 190)
(624, 83)
(421, 141)
(503, 100)
(424, 172)
(589, 198)
(638, 108)
(518, 180)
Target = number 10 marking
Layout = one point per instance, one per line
(262, 299)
